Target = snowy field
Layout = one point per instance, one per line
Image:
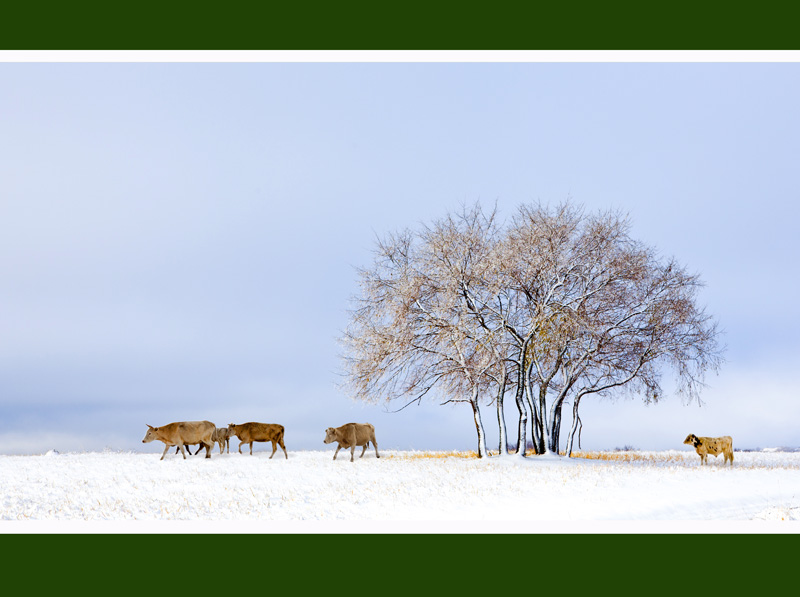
(400, 492)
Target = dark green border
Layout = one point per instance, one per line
(319, 564)
(412, 24)
(492, 564)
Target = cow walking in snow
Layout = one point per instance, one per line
(259, 432)
(183, 433)
(351, 435)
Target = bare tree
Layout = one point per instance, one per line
(556, 305)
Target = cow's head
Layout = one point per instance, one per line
(692, 439)
(330, 435)
(151, 434)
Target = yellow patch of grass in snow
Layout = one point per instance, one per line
(434, 455)
(629, 456)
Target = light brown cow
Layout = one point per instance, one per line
(350, 436)
(222, 435)
(711, 445)
(259, 432)
(181, 434)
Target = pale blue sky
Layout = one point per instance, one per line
(178, 241)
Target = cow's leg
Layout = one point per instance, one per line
(274, 449)
(167, 447)
(182, 451)
(208, 446)
(240, 446)
(251, 448)
(284, 449)
(376, 448)
(364, 450)
(339, 447)
(352, 452)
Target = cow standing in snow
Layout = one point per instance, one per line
(711, 445)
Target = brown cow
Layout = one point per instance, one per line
(182, 434)
(259, 432)
(711, 445)
(350, 436)
(222, 435)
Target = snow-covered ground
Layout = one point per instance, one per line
(401, 491)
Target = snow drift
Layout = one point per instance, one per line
(401, 490)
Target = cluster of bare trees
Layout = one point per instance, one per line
(549, 307)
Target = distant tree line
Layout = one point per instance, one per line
(548, 308)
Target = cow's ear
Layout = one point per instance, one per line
(150, 426)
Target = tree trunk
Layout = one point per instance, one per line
(575, 422)
(476, 413)
(554, 433)
(522, 439)
(536, 418)
(546, 425)
(553, 427)
(501, 418)
(556, 429)
(536, 427)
